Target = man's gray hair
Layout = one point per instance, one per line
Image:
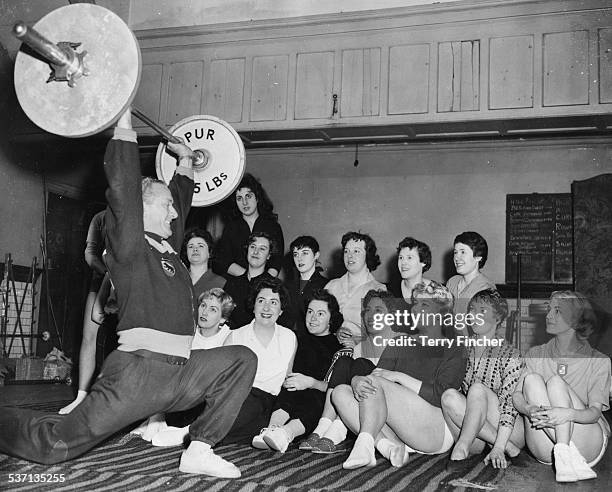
(147, 188)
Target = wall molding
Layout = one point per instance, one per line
(470, 11)
(459, 146)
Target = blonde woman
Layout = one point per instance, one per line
(564, 389)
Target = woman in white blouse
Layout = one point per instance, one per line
(275, 347)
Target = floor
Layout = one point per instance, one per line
(524, 476)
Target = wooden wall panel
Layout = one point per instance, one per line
(184, 90)
(605, 65)
(409, 79)
(566, 68)
(225, 93)
(269, 88)
(360, 82)
(511, 72)
(314, 85)
(459, 76)
(148, 97)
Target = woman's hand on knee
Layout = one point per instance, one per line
(553, 416)
(362, 387)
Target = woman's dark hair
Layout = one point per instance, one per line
(494, 299)
(304, 242)
(264, 204)
(372, 259)
(336, 319)
(386, 297)
(477, 244)
(268, 282)
(422, 249)
(200, 233)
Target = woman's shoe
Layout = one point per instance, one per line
(327, 446)
(258, 441)
(309, 442)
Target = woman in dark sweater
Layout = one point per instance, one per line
(300, 402)
(306, 278)
(252, 211)
(396, 409)
(196, 252)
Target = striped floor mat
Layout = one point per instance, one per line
(125, 462)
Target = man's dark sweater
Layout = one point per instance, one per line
(154, 291)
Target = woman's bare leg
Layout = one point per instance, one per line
(87, 354)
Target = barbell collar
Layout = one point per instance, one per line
(67, 65)
(49, 50)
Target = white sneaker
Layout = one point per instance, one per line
(258, 441)
(171, 436)
(581, 467)
(206, 462)
(154, 424)
(564, 471)
(277, 438)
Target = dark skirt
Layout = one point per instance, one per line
(306, 406)
(346, 367)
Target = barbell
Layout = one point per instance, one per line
(95, 73)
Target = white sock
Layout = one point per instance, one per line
(362, 453)
(322, 426)
(396, 453)
(336, 432)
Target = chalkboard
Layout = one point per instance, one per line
(539, 227)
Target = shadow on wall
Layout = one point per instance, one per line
(7, 95)
(601, 339)
(448, 266)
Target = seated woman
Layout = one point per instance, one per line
(301, 399)
(275, 347)
(483, 411)
(328, 436)
(214, 308)
(413, 260)
(260, 247)
(470, 252)
(306, 279)
(360, 259)
(396, 409)
(564, 389)
(196, 252)
(252, 211)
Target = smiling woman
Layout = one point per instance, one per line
(275, 347)
(360, 259)
(470, 253)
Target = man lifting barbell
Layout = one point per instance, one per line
(151, 371)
